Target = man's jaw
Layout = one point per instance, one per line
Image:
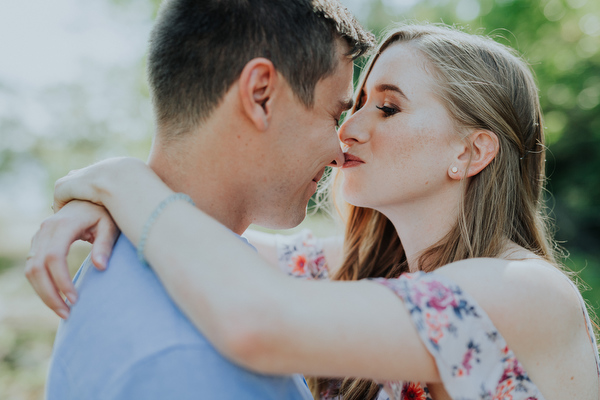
(318, 177)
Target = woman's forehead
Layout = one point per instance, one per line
(401, 65)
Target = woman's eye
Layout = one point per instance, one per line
(388, 111)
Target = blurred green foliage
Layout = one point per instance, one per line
(5, 263)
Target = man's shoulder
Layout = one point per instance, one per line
(123, 318)
(126, 307)
(125, 282)
(125, 338)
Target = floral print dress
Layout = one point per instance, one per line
(472, 357)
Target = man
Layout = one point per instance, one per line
(247, 96)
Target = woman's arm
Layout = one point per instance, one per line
(265, 244)
(253, 314)
(46, 266)
(275, 324)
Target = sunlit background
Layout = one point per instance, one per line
(73, 91)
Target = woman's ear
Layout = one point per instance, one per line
(257, 85)
(479, 151)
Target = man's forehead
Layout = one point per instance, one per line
(342, 78)
(337, 88)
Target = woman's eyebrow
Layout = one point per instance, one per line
(384, 87)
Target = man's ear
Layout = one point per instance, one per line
(257, 85)
(479, 150)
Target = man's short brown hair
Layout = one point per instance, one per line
(198, 49)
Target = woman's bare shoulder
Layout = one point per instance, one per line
(530, 301)
(516, 289)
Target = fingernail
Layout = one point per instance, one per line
(72, 298)
(103, 261)
(64, 314)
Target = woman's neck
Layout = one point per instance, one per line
(422, 224)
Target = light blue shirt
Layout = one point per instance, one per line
(125, 339)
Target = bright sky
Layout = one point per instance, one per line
(48, 42)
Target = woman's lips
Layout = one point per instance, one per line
(351, 161)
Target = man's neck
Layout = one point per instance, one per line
(205, 178)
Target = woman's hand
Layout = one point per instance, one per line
(93, 183)
(124, 186)
(46, 267)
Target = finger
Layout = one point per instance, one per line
(52, 243)
(76, 185)
(42, 284)
(56, 264)
(105, 240)
(60, 194)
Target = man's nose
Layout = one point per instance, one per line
(338, 161)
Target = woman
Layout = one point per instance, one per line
(444, 172)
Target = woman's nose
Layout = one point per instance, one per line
(354, 130)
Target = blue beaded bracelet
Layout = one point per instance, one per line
(157, 211)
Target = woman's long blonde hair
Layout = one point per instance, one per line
(483, 85)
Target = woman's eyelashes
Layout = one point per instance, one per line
(388, 111)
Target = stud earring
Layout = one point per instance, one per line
(454, 170)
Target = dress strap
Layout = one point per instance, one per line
(472, 357)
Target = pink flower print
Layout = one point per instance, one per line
(513, 369)
(466, 363)
(460, 372)
(418, 296)
(441, 296)
(299, 264)
(504, 390)
(517, 368)
(318, 268)
(435, 325)
(320, 261)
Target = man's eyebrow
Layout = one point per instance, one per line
(389, 87)
(346, 104)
